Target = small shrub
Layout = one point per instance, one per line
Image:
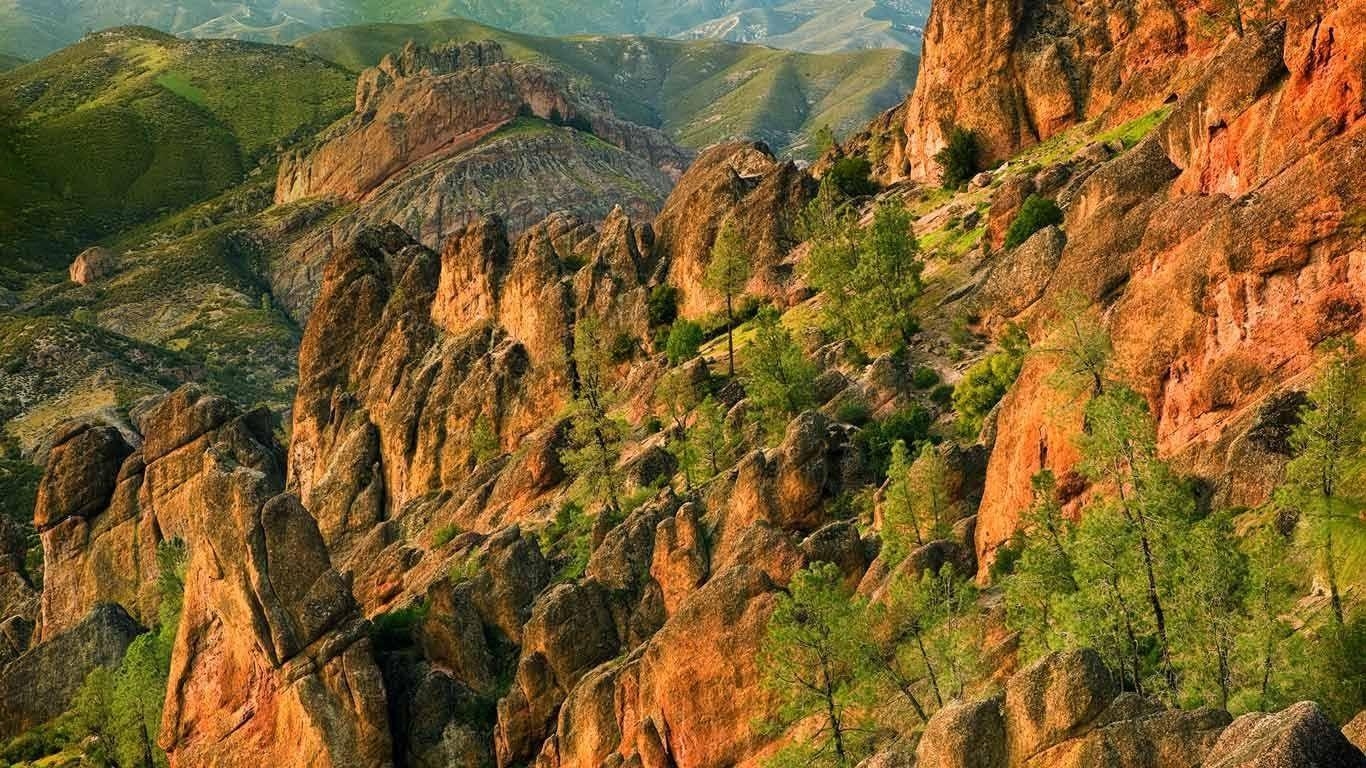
(1036, 213)
(467, 567)
(568, 539)
(942, 395)
(685, 339)
(446, 534)
(854, 412)
(924, 377)
(910, 425)
(662, 305)
(623, 347)
(986, 382)
(960, 159)
(394, 630)
(852, 176)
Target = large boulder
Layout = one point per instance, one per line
(40, 684)
(1054, 699)
(93, 264)
(741, 185)
(1300, 736)
(964, 735)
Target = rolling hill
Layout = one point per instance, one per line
(131, 124)
(32, 29)
(698, 92)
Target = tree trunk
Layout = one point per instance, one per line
(730, 337)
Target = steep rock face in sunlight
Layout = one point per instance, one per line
(743, 185)
(1220, 251)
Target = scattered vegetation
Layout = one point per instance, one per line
(1189, 602)
(988, 380)
(118, 711)
(869, 279)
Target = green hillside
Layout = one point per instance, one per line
(698, 92)
(9, 62)
(131, 124)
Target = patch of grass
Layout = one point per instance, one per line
(1134, 131)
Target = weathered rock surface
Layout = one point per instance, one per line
(1037, 71)
(1219, 252)
(1301, 735)
(743, 185)
(40, 684)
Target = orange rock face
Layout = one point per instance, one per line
(740, 184)
(1220, 252)
(425, 104)
(1018, 76)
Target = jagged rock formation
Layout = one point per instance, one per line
(271, 659)
(1037, 70)
(1221, 250)
(440, 137)
(408, 351)
(744, 185)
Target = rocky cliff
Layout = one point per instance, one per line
(411, 580)
(419, 114)
(1220, 251)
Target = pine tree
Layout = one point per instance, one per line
(779, 379)
(1043, 574)
(726, 275)
(829, 225)
(711, 437)
(1328, 445)
(887, 278)
(1121, 450)
(595, 435)
(677, 398)
(900, 525)
(812, 658)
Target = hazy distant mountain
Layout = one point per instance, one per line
(33, 28)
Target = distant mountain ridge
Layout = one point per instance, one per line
(35, 28)
(698, 92)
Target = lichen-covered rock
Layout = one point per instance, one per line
(39, 684)
(964, 735)
(1300, 736)
(1054, 698)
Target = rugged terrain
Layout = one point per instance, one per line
(408, 563)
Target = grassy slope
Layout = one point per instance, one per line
(699, 92)
(132, 124)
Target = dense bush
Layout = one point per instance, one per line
(910, 425)
(852, 175)
(662, 305)
(1036, 213)
(960, 159)
(685, 339)
(924, 377)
